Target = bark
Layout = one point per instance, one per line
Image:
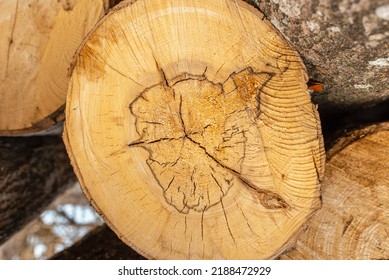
(99, 244)
(33, 171)
(353, 221)
(344, 45)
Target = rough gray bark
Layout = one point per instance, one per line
(33, 171)
(344, 45)
(99, 244)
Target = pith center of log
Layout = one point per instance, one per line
(203, 138)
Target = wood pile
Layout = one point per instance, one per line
(190, 127)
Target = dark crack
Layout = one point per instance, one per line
(11, 39)
(347, 224)
(189, 195)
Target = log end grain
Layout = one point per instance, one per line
(191, 130)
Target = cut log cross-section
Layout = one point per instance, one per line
(353, 222)
(39, 39)
(191, 130)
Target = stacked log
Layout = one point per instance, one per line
(38, 41)
(191, 129)
(195, 130)
(353, 222)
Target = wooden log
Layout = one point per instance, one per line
(353, 222)
(190, 127)
(33, 171)
(104, 244)
(39, 39)
(99, 244)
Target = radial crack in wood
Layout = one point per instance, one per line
(190, 127)
(220, 146)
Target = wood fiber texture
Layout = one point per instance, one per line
(353, 222)
(190, 127)
(39, 39)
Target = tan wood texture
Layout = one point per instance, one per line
(353, 222)
(39, 39)
(191, 130)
